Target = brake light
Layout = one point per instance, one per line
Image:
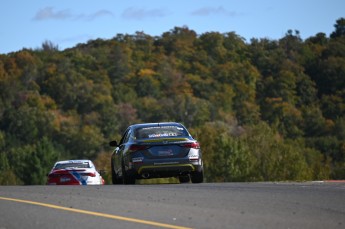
(134, 148)
(194, 145)
(88, 174)
(52, 175)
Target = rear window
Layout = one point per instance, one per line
(160, 131)
(72, 165)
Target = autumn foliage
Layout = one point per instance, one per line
(263, 110)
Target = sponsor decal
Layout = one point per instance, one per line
(78, 177)
(162, 135)
(65, 179)
(137, 159)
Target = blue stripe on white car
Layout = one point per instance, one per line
(78, 177)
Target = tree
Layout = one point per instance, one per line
(152, 110)
(37, 158)
(275, 159)
(213, 45)
(314, 124)
(243, 78)
(30, 119)
(266, 110)
(190, 110)
(127, 114)
(339, 28)
(146, 84)
(264, 55)
(49, 46)
(7, 177)
(306, 91)
(120, 65)
(210, 135)
(233, 160)
(40, 161)
(333, 106)
(330, 76)
(179, 41)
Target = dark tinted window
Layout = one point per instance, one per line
(124, 137)
(160, 132)
(72, 165)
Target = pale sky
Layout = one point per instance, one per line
(27, 24)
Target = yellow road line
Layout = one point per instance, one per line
(133, 220)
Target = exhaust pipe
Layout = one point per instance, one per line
(145, 175)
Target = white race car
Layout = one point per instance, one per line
(74, 172)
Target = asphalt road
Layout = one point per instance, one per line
(221, 205)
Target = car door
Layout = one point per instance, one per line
(119, 151)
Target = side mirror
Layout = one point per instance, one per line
(113, 143)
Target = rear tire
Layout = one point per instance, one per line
(184, 179)
(127, 178)
(114, 178)
(197, 177)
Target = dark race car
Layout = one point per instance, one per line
(156, 150)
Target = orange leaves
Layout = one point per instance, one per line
(146, 72)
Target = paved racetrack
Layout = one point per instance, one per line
(208, 205)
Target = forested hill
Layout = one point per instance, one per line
(262, 109)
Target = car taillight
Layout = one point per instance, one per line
(53, 175)
(134, 148)
(88, 174)
(194, 145)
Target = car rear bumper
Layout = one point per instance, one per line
(164, 170)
